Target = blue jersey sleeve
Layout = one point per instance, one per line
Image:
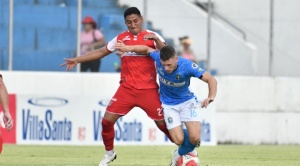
(154, 55)
(194, 70)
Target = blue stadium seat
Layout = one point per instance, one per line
(45, 31)
(112, 21)
(40, 16)
(56, 39)
(3, 59)
(24, 38)
(39, 60)
(107, 64)
(96, 13)
(3, 38)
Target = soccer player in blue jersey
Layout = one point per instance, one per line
(178, 102)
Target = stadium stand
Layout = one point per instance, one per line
(45, 32)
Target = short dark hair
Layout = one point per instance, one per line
(132, 10)
(166, 53)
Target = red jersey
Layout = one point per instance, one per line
(137, 71)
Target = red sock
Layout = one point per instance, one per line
(108, 134)
(1, 143)
(164, 129)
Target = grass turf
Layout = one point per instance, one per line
(224, 155)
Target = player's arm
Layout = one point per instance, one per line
(140, 49)
(157, 39)
(5, 106)
(212, 88)
(93, 55)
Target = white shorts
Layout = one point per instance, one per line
(184, 112)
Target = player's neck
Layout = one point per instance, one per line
(135, 34)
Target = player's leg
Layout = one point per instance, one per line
(194, 131)
(148, 100)
(173, 121)
(191, 118)
(1, 143)
(120, 105)
(84, 66)
(95, 64)
(191, 137)
(108, 131)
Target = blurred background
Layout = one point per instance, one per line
(251, 46)
(230, 37)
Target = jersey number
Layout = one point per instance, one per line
(193, 113)
(159, 111)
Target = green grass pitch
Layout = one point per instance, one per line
(222, 155)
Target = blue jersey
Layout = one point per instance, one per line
(174, 87)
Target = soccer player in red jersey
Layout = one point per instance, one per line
(138, 86)
(5, 107)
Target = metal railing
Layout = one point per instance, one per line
(204, 6)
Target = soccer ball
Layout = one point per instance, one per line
(188, 160)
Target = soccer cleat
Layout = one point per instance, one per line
(107, 159)
(174, 159)
(198, 144)
(193, 153)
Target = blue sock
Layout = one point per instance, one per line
(187, 146)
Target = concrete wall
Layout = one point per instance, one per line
(258, 110)
(177, 18)
(250, 110)
(253, 16)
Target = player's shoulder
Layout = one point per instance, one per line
(187, 64)
(155, 54)
(123, 34)
(184, 62)
(147, 31)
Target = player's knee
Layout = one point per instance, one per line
(194, 139)
(178, 140)
(106, 123)
(160, 123)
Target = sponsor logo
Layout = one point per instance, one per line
(169, 83)
(200, 69)
(170, 120)
(178, 77)
(97, 118)
(132, 54)
(81, 133)
(126, 38)
(161, 71)
(194, 65)
(152, 134)
(46, 128)
(105, 103)
(48, 102)
(130, 131)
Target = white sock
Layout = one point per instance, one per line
(176, 155)
(110, 152)
(194, 152)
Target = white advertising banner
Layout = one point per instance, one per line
(76, 120)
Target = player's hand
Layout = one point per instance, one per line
(206, 102)
(8, 121)
(150, 37)
(69, 63)
(121, 47)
